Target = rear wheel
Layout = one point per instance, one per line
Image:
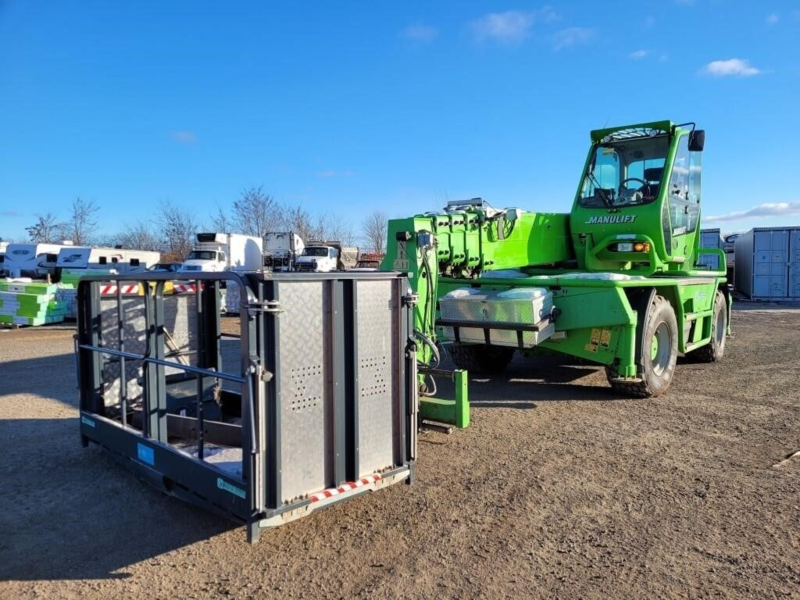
(658, 354)
(488, 360)
(715, 349)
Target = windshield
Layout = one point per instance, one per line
(315, 252)
(202, 255)
(624, 173)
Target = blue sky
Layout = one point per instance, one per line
(347, 106)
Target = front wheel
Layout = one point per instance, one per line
(658, 354)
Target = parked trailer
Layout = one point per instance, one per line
(768, 263)
(32, 260)
(312, 403)
(124, 261)
(3, 246)
(281, 249)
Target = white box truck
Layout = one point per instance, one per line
(215, 252)
(281, 249)
(326, 257)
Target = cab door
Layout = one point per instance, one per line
(683, 202)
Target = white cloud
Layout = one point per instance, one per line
(571, 36)
(510, 27)
(770, 209)
(772, 19)
(419, 32)
(734, 67)
(638, 55)
(184, 137)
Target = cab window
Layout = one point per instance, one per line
(684, 189)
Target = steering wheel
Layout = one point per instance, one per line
(646, 185)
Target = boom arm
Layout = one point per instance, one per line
(464, 242)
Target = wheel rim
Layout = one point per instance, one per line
(719, 328)
(660, 349)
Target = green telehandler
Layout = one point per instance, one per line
(616, 282)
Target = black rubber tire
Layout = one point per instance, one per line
(656, 377)
(480, 359)
(715, 349)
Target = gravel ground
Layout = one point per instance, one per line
(558, 489)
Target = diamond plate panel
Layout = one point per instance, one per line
(303, 333)
(377, 383)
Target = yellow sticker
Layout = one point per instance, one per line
(595, 336)
(590, 348)
(605, 339)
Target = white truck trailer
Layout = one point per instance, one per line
(327, 257)
(281, 249)
(217, 252)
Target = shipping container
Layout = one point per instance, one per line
(768, 263)
(710, 238)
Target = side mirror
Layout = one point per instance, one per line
(697, 140)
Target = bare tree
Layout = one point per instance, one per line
(82, 223)
(139, 236)
(46, 230)
(221, 222)
(300, 221)
(340, 229)
(374, 229)
(177, 229)
(256, 212)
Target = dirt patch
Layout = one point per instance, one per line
(558, 489)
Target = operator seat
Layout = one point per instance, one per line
(653, 178)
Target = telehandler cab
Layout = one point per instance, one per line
(615, 282)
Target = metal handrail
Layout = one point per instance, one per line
(166, 363)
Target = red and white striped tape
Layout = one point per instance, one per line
(184, 288)
(125, 289)
(346, 487)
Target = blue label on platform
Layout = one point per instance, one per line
(88, 422)
(146, 454)
(224, 485)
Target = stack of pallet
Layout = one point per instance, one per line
(32, 303)
(69, 296)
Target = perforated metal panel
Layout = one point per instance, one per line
(304, 331)
(376, 378)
